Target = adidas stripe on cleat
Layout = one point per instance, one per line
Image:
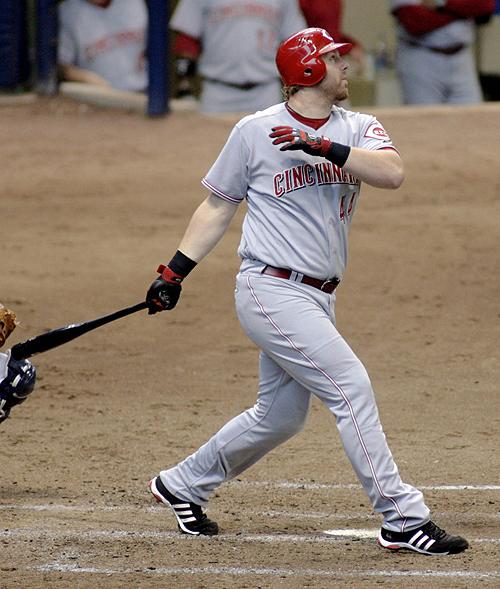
(190, 517)
(428, 539)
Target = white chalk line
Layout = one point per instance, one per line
(321, 537)
(316, 486)
(271, 484)
(92, 508)
(34, 533)
(269, 572)
(469, 516)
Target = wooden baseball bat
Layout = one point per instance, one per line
(62, 335)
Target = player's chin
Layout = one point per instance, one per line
(342, 94)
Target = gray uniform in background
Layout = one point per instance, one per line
(431, 75)
(109, 42)
(300, 209)
(238, 44)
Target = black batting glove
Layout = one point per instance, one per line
(185, 69)
(165, 291)
(298, 139)
(295, 139)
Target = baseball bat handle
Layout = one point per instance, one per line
(62, 335)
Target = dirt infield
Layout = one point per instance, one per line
(91, 201)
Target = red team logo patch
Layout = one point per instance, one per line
(376, 131)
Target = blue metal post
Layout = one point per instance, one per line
(158, 58)
(46, 46)
(14, 64)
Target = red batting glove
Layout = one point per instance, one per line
(298, 139)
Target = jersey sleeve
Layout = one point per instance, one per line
(188, 18)
(419, 20)
(293, 19)
(186, 46)
(228, 177)
(470, 8)
(373, 136)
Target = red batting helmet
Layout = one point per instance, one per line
(299, 57)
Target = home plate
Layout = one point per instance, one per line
(352, 533)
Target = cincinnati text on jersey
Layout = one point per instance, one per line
(308, 175)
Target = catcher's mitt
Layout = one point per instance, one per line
(7, 323)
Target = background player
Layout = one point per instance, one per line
(233, 43)
(301, 190)
(103, 42)
(435, 61)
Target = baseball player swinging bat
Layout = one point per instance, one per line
(18, 375)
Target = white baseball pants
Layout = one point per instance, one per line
(302, 354)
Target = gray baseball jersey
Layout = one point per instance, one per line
(299, 211)
(300, 206)
(239, 38)
(458, 31)
(430, 77)
(109, 42)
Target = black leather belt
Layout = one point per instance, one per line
(327, 286)
(245, 86)
(450, 50)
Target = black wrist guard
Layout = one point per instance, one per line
(181, 264)
(338, 153)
